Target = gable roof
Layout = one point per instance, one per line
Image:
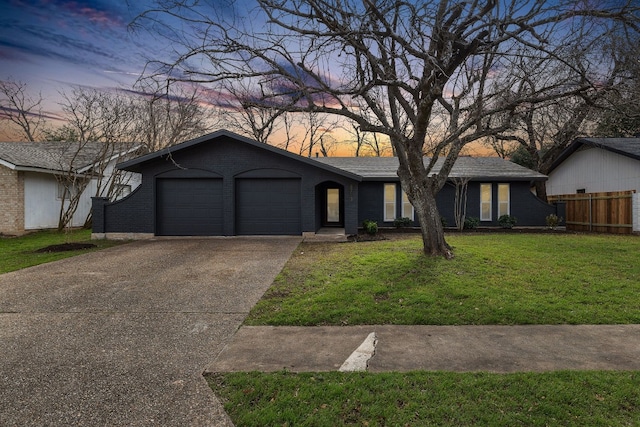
(133, 164)
(477, 168)
(52, 156)
(628, 147)
(359, 168)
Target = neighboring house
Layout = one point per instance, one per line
(595, 165)
(32, 181)
(226, 184)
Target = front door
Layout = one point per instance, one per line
(333, 212)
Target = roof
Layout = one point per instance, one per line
(359, 168)
(50, 157)
(489, 168)
(133, 164)
(628, 147)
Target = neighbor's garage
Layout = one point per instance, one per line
(268, 206)
(189, 207)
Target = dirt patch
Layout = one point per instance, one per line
(366, 237)
(63, 247)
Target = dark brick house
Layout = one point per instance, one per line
(223, 184)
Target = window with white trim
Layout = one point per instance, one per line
(389, 202)
(485, 202)
(504, 204)
(407, 207)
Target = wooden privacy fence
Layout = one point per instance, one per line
(610, 212)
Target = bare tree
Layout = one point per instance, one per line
(544, 129)
(460, 201)
(422, 68)
(620, 116)
(21, 109)
(368, 144)
(240, 115)
(96, 136)
(165, 116)
(317, 128)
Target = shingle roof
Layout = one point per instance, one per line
(378, 168)
(50, 156)
(371, 168)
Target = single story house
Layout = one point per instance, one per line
(596, 165)
(224, 184)
(32, 181)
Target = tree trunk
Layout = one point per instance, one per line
(433, 241)
(421, 191)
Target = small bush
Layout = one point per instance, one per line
(370, 227)
(443, 221)
(471, 223)
(507, 221)
(402, 222)
(553, 221)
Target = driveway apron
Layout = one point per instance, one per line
(121, 336)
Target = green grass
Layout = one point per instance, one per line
(430, 399)
(20, 252)
(495, 279)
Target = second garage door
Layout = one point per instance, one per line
(268, 206)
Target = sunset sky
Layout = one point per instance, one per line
(53, 44)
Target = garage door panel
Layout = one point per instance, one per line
(189, 207)
(268, 206)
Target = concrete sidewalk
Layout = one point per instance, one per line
(434, 348)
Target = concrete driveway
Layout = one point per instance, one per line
(121, 336)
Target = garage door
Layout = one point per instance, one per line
(268, 206)
(189, 207)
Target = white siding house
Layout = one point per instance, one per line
(599, 165)
(593, 165)
(31, 189)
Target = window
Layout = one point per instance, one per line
(333, 205)
(485, 202)
(407, 207)
(503, 200)
(389, 202)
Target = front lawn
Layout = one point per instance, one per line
(494, 279)
(21, 252)
(430, 399)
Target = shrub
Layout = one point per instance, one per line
(471, 223)
(370, 227)
(443, 221)
(402, 222)
(507, 221)
(553, 221)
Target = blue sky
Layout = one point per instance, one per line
(51, 44)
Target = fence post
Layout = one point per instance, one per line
(590, 212)
(635, 212)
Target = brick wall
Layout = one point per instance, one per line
(11, 201)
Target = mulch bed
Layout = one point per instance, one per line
(63, 247)
(392, 233)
